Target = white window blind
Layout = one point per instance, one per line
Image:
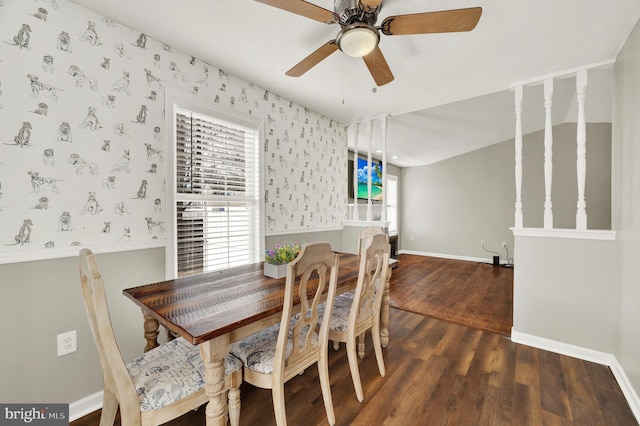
(216, 193)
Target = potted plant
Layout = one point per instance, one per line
(277, 258)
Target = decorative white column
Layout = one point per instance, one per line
(518, 220)
(369, 164)
(548, 153)
(355, 213)
(383, 130)
(581, 166)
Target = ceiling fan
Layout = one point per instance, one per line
(359, 36)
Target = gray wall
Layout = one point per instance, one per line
(564, 291)
(626, 213)
(41, 300)
(449, 207)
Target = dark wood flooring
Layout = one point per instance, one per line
(474, 294)
(444, 373)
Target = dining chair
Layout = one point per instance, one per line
(273, 356)
(157, 386)
(355, 313)
(367, 232)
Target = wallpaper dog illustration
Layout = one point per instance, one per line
(23, 137)
(39, 88)
(22, 38)
(38, 182)
(24, 234)
(64, 132)
(81, 165)
(91, 206)
(64, 42)
(90, 35)
(91, 120)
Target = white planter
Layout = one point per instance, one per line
(275, 271)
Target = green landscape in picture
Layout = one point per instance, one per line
(376, 191)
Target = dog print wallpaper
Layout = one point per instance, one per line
(83, 157)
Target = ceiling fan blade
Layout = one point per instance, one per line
(303, 8)
(445, 21)
(314, 59)
(378, 67)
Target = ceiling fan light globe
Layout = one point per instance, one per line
(358, 41)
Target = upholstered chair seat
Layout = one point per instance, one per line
(257, 351)
(171, 372)
(341, 309)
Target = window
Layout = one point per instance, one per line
(392, 204)
(216, 187)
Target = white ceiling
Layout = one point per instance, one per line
(451, 91)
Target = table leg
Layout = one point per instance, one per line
(384, 312)
(150, 331)
(213, 353)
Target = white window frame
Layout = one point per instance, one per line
(392, 204)
(176, 100)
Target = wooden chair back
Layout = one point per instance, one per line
(311, 275)
(119, 385)
(374, 268)
(115, 374)
(367, 232)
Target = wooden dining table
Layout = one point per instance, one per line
(215, 309)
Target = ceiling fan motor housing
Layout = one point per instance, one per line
(351, 12)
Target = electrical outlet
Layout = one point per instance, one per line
(504, 244)
(482, 243)
(67, 343)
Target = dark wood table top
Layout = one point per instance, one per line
(204, 306)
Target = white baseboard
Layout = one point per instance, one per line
(561, 348)
(627, 389)
(446, 256)
(454, 257)
(586, 354)
(84, 406)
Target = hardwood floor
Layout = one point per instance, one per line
(474, 294)
(444, 373)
